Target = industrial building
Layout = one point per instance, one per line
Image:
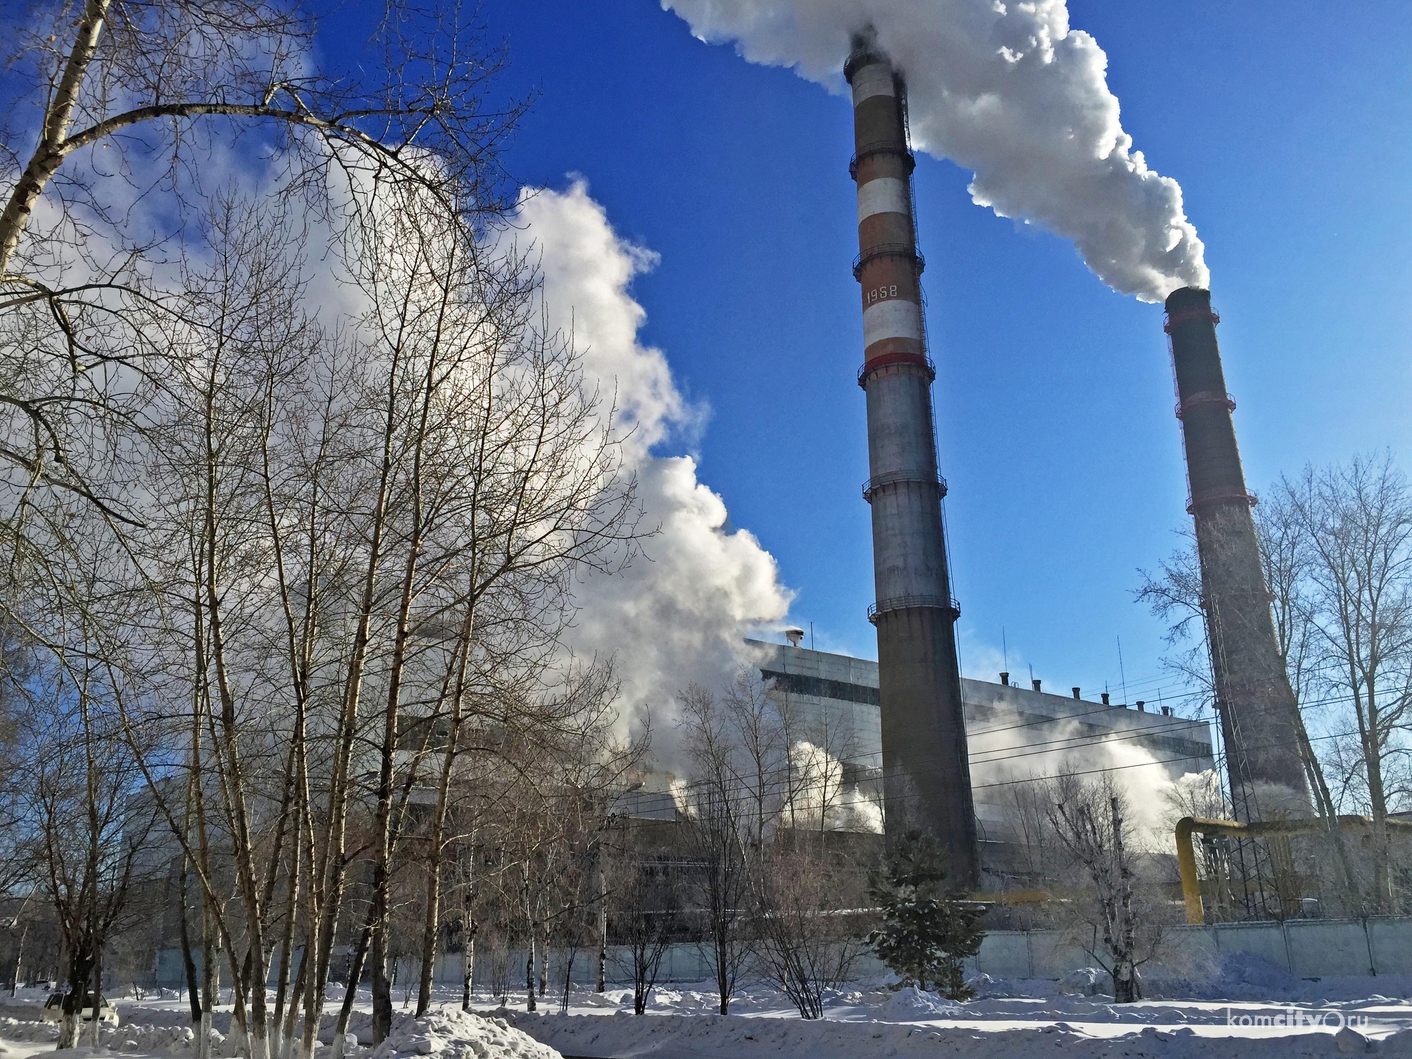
(1014, 733)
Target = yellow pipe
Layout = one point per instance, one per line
(1186, 861)
(1186, 855)
(1019, 897)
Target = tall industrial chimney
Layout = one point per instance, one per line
(927, 779)
(1259, 718)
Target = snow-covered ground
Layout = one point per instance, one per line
(879, 1022)
(1241, 1009)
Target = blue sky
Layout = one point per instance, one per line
(1289, 127)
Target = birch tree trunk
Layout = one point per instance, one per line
(531, 933)
(49, 153)
(350, 995)
(468, 931)
(601, 978)
(436, 840)
(468, 966)
(1124, 970)
(188, 960)
(210, 980)
(285, 968)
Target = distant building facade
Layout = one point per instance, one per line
(1014, 734)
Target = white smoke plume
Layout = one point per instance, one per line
(680, 611)
(1010, 91)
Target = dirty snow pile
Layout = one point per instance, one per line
(459, 1035)
(20, 1030)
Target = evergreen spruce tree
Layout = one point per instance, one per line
(928, 926)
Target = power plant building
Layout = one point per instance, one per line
(1014, 733)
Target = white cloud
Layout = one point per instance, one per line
(1009, 91)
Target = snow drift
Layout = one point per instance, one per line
(459, 1035)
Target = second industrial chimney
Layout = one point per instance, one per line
(1259, 718)
(927, 782)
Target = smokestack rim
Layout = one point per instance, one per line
(863, 51)
(1188, 299)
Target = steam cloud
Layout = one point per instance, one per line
(824, 795)
(1010, 91)
(679, 612)
(1007, 750)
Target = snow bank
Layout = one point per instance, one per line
(26, 1030)
(870, 1018)
(675, 1036)
(1246, 976)
(176, 1041)
(1085, 981)
(158, 1016)
(444, 1035)
(913, 1005)
(459, 1035)
(988, 986)
(163, 1040)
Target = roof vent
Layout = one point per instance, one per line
(1076, 693)
(794, 636)
(1036, 684)
(1105, 699)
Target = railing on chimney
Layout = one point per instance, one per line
(879, 481)
(892, 603)
(888, 250)
(881, 147)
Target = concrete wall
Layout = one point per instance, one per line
(1311, 948)
(1305, 948)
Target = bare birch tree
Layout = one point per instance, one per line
(344, 550)
(1116, 926)
(811, 926)
(1356, 523)
(89, 835)
(718, 836)
(112, 102)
